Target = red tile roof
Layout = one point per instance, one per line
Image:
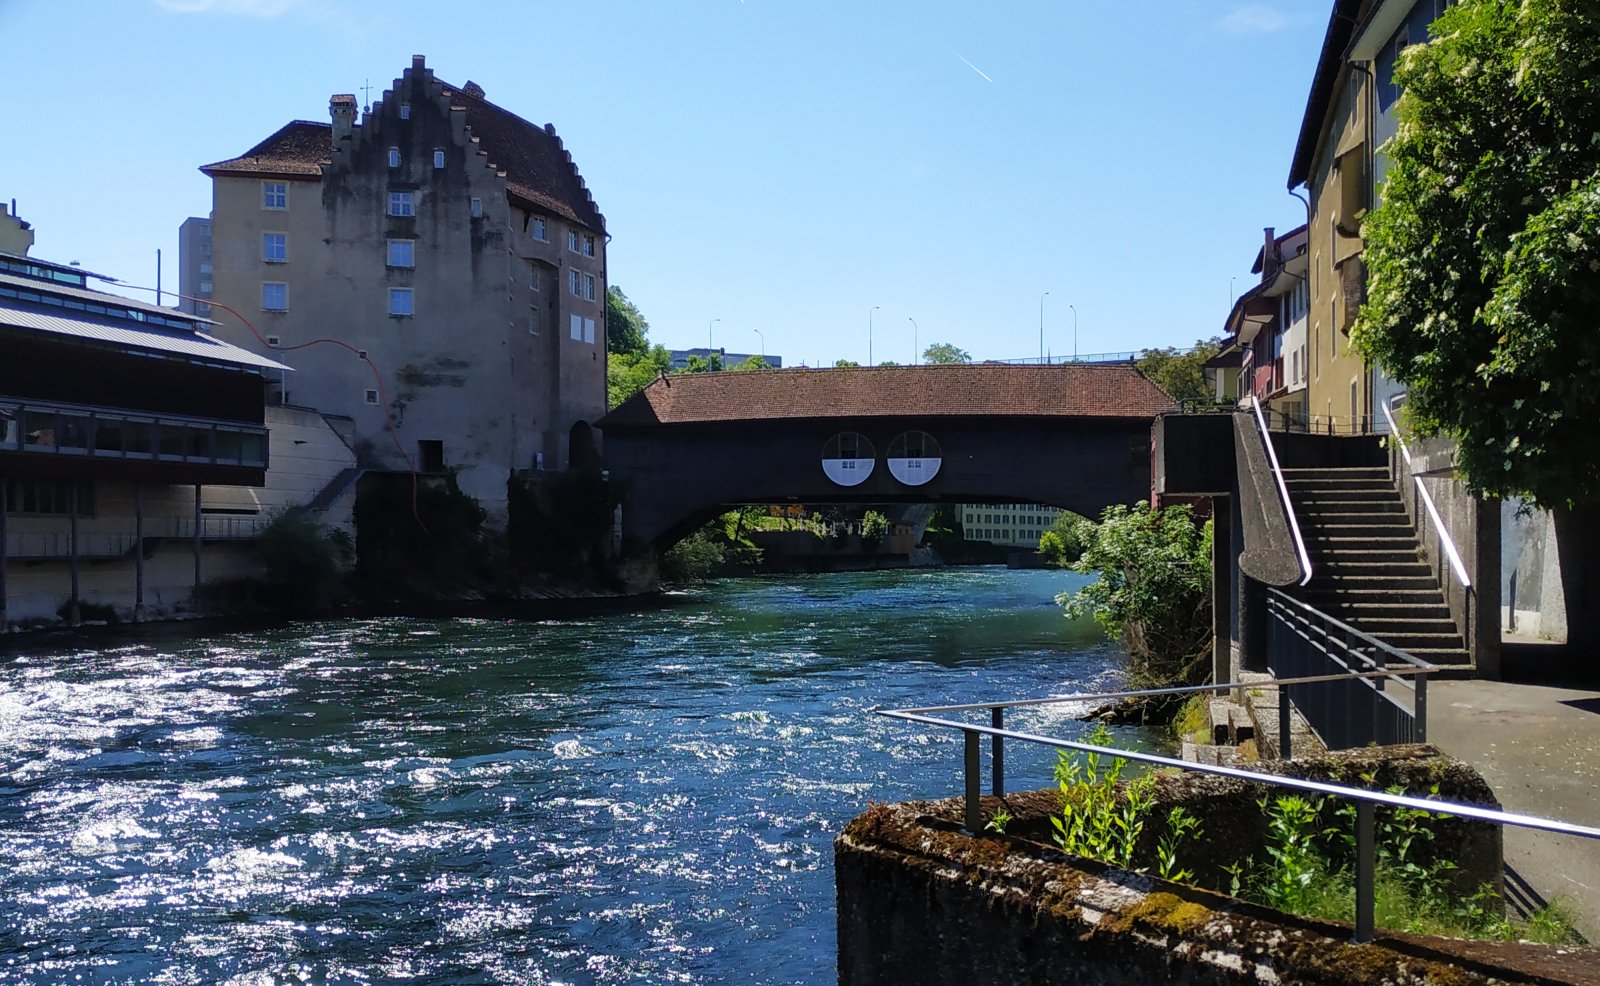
(537, 167)
(1001, 390)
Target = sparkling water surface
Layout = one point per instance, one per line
(640, 798)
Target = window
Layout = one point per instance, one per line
(430, 455)
(274, 247)
(588, 287)
(534, 278)
(205, 268)
(48, 496)
(274, 195)
(572, 282)
(372, 397)
(572, 240)
(438, 157)
(274, 296)
(533, 320)
(402, 253)
(577, 328)
(588, 245)
(205, 288)
(394, 157)
(541, 229)
(272, 340)
(477, 208)
(401, 302)
(588, 331)
(402, 204)
(405, 111)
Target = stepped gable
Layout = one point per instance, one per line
(995, 390)
(298, 149)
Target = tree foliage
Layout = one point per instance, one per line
(627, 330)
(944, 352)
(874, 528)
(1180, 374)
(843, 363)
(627, 374)
(1484, 255)
(1152, 591)
(1063, 543)
(703, 364)
(754, 363)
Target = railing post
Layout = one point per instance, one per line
(1366, 871)
(1285, 724)
(997, 747)
(1419, 710)
(974, 813)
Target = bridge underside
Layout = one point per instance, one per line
(670, 479)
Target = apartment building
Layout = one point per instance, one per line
(1267, 351)
(451, 252)
(194, 266)
(1014, 525)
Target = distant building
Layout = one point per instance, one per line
(194, 266)
(16, 236)
(454, 250)
(680, 358)
(134, 450)
(1015, 525)
(1267, 352)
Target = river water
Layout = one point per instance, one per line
(647, 797)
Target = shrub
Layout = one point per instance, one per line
(300, 559)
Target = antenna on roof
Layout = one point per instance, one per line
(366, 94)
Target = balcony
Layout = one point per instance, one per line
(102, 544)
(99, 434)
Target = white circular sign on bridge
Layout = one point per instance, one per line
(914, 458)
(848, 458)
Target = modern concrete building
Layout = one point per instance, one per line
(1014, 525)
(454, 257)
(194, 266)
(681, 357)
(134, 451)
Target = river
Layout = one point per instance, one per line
(648, 797)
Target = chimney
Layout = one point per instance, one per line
(342, 107)
(473, 89)
(1269, 255)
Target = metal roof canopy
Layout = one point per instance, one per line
(186, 345)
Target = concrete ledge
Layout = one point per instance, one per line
(919, 901)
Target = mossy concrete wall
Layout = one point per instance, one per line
(921, 901)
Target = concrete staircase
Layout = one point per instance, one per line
(1367, 565)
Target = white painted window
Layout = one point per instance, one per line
(403, 204)
(588, 245)
(205, 288)
(577, 328)
(205, 268)
(588, 331)
(274, 296)
(275, 247)
(533, 277)
(405, 111)
(394, 157)
(588, 287)
(438, 157)
(401, 302)
(274, 195)
(573, 284)
(533, 320)
(477, 208)
(402, 253)
(541, 229)
(371, 397)
(572, 240)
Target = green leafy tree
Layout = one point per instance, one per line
(874, 528)
(702, 364)
(1152, 591)
(1064, 541)
(627, 374)
(887, 362)
(626, 328)
(843, 363)
(1180, 374)
(1484, 255)
(754, 363)
(944, 352)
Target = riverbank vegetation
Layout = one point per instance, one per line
(1152, 592)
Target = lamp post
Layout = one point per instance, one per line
(763, 344)
(915, 355)
(1074, 333)
(869, 332)
(708, 342)
(1041, 326)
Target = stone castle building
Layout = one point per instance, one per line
(453, 253)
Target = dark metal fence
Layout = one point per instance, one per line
(1346, 711)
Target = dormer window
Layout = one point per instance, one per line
(394, 157)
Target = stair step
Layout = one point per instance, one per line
(1308, 507)
(1343, 495)
(1380, 625)
(1376, 484)
(1345, 583)
(1425, 641)
(1354, 471)
(1399, 553)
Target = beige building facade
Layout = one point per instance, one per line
(453, 258)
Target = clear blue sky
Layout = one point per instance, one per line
(781, 165)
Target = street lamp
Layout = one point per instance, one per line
(708, 342)
(915, 355)
(869, 332)
(763, 344)
(1041, 325)
(1074, 333)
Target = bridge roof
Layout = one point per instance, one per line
(961, 390)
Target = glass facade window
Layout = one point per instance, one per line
(274, 195)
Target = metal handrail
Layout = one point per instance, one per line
(1283, 490)
(1366, 638)
(1445, 540)
(1365, 800)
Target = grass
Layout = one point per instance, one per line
(1193, 721)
